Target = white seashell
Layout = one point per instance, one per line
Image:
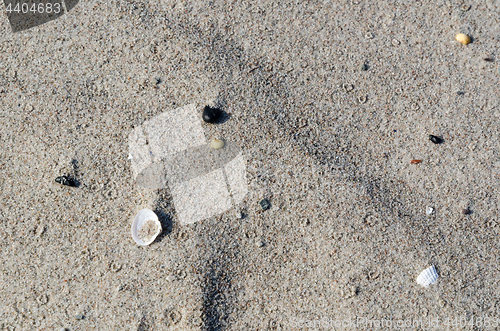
(429, 210)
(427, 277)
(145, 220)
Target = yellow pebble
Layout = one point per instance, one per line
(216, 144)
(463, 38)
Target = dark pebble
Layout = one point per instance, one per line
(466, 211)
(436, 139)
(363, 67)
(265, 204)
(67, 181)
(212, 115)
(79, 316)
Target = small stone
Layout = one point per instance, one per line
(463, 39)
(395, 42)
(216, 144)
(466, 211)
(212, 115)
(67, 181)
(415, 161)
(259, 243)
(429, 210)
(369, 35)
(170, 278)
(265, 204)
(363, 67)
(435, 139)
(40, 229)
(464, 7)
(79, 316)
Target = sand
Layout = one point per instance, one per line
(347, 233)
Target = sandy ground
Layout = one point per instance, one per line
(347, 233)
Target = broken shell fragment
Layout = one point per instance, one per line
(463, 38)
(146, 227)
(428, 276)
(415, 161)
(216, 144)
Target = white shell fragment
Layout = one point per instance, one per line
(146, 227)
(429, 210)
(427, 277)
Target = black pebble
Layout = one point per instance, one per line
(466, 211)
(435, 139)
(212, 115)
(265, 204)
(68, 181)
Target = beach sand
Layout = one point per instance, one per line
(327, 143)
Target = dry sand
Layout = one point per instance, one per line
(347, 233)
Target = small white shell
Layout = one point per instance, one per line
(429, 210)
(140, 219)
(427, 277)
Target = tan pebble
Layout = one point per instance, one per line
(463, 38)
(216, 144)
